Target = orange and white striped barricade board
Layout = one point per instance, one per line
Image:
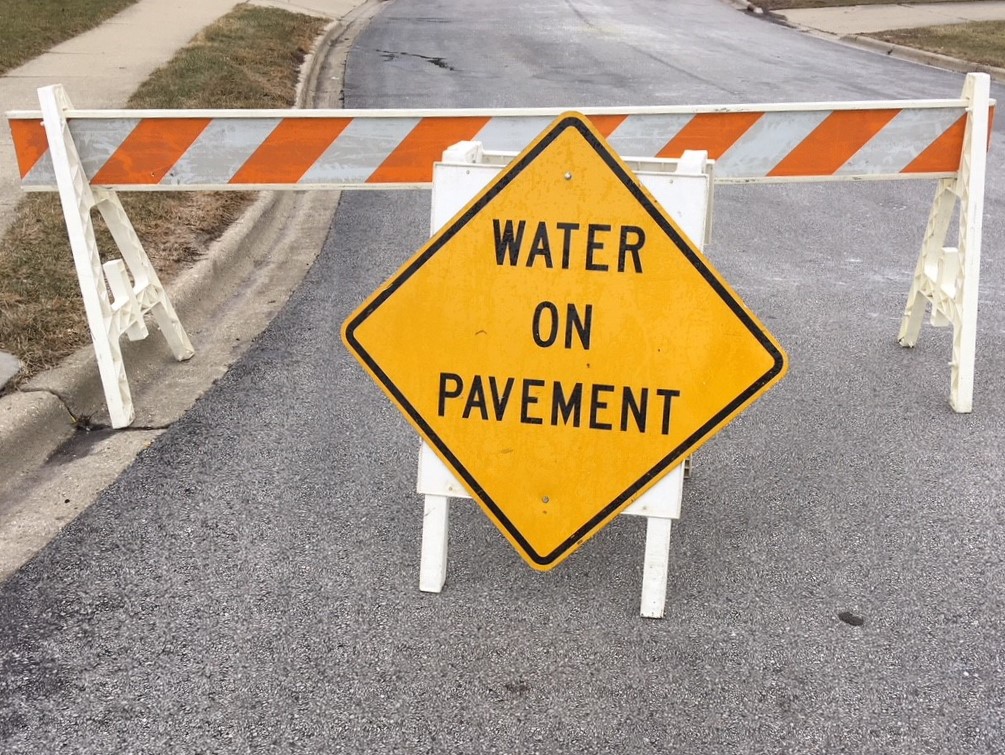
(195, 150)
(684, 188)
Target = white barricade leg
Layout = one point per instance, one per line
(977, 91)
(438, 485)
(433, 565)
(77, 200)
(660, 505)
(948, 278)
(128, 316)
(657, 567)
(107, 319)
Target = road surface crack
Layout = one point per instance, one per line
(390, 55)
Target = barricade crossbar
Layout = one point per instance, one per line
(197, 150)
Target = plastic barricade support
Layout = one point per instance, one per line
(108, 317)
(948, 278)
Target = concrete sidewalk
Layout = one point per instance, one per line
(865, 19)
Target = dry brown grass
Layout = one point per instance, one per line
(250, 58)
(978, 42)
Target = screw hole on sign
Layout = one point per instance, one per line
(849, 618)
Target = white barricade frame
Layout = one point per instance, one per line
(69, 151)
(948, 278)
(108, 318)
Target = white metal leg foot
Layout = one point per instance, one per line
(433, 564)
(657, 566)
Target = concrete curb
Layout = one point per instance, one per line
(47, 411)
(32, 426)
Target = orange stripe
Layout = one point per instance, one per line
(150, 151)
(991, 123)
(831, 144)
(944, 154)
(606, 124)
(29, 143)
(412, 160)
(712, 132)
(290, 150)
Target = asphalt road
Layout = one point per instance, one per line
(250, 583)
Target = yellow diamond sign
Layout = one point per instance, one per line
(561, 344)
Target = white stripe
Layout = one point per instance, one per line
(646, 135)
(767, 143)
(41, 174)
(359, 150)
(511, 134)
(96, 141)
(900, 141)
(220, 151)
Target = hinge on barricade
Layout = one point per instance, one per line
(108, 320)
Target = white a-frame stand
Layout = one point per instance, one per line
(107, 319)
(684, 188)
(948, 278)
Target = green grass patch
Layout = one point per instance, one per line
(250, 58)
(977, 41)
(792, 4)
(30, 27)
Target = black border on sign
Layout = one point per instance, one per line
(570, 121)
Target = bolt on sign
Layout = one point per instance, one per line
(561, 343)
